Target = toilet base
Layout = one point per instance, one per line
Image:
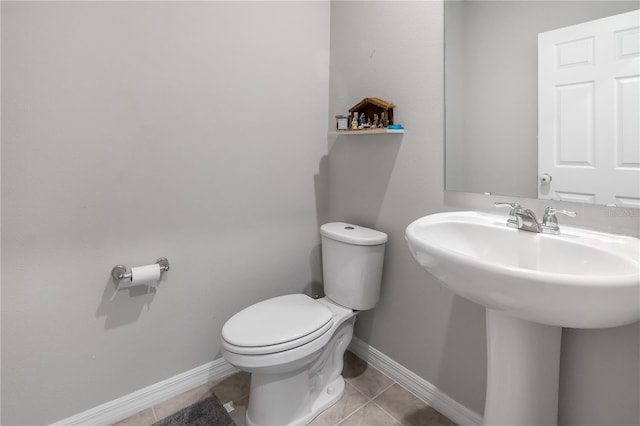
(329, 396)
(332, 394)
(297, 397)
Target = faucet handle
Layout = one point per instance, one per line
(550, 221)
(512, 206)
(512, 222)
(550, 213)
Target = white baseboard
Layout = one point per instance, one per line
(121, 408)
(415, 384)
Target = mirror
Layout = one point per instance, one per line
(491, 93)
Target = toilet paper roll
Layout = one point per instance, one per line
(145, 274)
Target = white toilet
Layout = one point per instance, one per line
(293, 345)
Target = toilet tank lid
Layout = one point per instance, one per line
(353, 234)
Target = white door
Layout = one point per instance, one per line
(589, 112)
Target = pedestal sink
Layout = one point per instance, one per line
(532, 285)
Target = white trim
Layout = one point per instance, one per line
(424, 390)
(123, 407)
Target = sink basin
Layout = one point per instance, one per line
(579, 279)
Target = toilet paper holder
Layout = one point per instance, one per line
(119, 272)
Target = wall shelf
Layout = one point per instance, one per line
(367, 132)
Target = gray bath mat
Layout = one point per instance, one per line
(208, 412)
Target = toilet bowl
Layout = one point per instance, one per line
(305, 377)
(293, 345)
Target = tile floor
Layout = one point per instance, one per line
(370, 399)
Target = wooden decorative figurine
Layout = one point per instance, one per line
(374, 113)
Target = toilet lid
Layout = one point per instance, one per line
(294, 318)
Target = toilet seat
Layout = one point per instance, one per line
(275, 325)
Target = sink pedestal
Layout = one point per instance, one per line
(523, 366)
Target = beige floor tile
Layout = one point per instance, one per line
(409, 409)
(366, 379)
(233, 388)
(351, 401)
(369, 415)
(239, 412)
(177, 403)
(143, 418)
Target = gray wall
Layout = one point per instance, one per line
(394, 50)
(492, 88)
(197, 131)
(133, 130)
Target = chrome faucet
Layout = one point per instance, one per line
(522, 218)
(526, 220)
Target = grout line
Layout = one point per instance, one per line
(377, 394)
(350, 415)
(353, 412)
(346, 384)
(369, 400)
(382, 391)
(388, 413)
(380, 407)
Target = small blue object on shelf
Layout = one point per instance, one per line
(396, 127)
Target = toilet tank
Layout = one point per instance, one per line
(352, 258)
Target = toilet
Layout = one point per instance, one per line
(293, 345)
